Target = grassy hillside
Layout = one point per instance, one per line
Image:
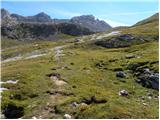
(79, 78)
(152, 19)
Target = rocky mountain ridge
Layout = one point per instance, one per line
(87, 21)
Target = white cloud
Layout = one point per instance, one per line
(115, 23)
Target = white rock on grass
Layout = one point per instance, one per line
(123, 93)
(3, 89)
(10, 82)
(67, 116)
(34, 117)
(74, 104)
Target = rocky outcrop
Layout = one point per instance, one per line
(149, 80)
(144, 76)
(31, 31)
(124, 40)
(7, 19)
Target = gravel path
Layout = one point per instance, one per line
(109, 34)
(58, 51)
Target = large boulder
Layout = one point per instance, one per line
(124, 40)
(148, 79)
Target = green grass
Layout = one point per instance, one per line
(91, 73)
(102, 83)
(27, 48)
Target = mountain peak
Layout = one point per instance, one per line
(91, 22)
(4, 13)
(41, 17)
(42, 14)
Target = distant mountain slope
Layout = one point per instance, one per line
(91, 23)
(39, 26)
(153, 18)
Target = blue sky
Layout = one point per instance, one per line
(114, 12)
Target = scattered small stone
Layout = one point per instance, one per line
(74, 104)
(121, 74)
(138, 80)
(143, 98)
(67, 116)
(34, 117)
(11, 96)
(83, 104)
(123, 93)
(77, 40)
(130, 56)
(88, 71)
(149, 97)
(147, 71)
(145, 104)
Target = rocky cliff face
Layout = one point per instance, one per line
(39, 18)
(31, 31)
(7, 19)
(91, 23)
(88, 21)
